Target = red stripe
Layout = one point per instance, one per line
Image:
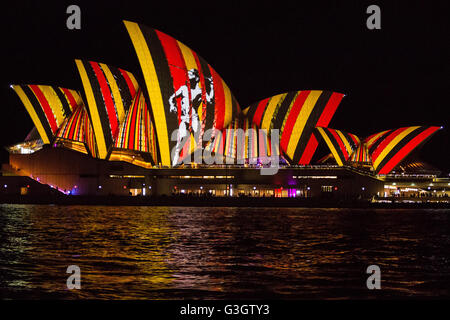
(374, 141)
(309, 150)
(129, 82)
(80, 127)
(107, 98)
(176, 63)
(340, 143)
(146, 133)
(324, 120)
(370, 137)
(260, 111)
(45, 106)
(131, 129)
(72, 126)
(355, 140)
(402, 153)
(329, 109)
(202, 82)
(292, 118)
(219, 112)
(69, 96)
(385, 142)
(84, 120)
(78, 124)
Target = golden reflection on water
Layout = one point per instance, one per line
(113, 246)
(178, 252)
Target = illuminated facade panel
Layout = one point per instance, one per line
(185, 92)
(48, 106)
(76, 132)
(361, 154)
(108, 93)
(296, 114)
(137, 132)
(341, 143)
(397, 144)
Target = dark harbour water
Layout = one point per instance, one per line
(222, 253)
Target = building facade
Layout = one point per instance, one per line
(122, 136)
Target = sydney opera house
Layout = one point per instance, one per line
(126, 134)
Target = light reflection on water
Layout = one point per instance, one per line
(216, 253)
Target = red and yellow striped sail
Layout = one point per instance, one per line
(48, 107)
(361, 154)
(137, 131)
(108, 92)
(165, 64)
(375, 139)
(90, 137)
(340, 143)
(77, 129)
(73, 127)
(394, 145)
(296, 114)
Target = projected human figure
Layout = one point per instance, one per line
(190, 101)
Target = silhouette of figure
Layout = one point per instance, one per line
(190, 101)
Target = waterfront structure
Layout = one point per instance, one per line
(121, 137)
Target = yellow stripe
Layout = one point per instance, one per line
(133, 80)
(126, 133)
(154, 91)
(371, 141)
(346, 143)
(137, 135)
(392, 144)
(192, 143)
(228, 104)
(76, 96)
(331, 146)
(96, 123)
(188, 56)
(303, 116)
(79, 128)
(270, 109)
(26, 102)
(54, 103)
(115, 92)
(287, 113)
(190, 63)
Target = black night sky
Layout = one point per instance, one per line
(393, 77)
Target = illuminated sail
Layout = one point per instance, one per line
(184, 91)
(296, 114)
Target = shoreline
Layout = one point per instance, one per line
(196, 201)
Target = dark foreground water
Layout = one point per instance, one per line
(222, 253)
